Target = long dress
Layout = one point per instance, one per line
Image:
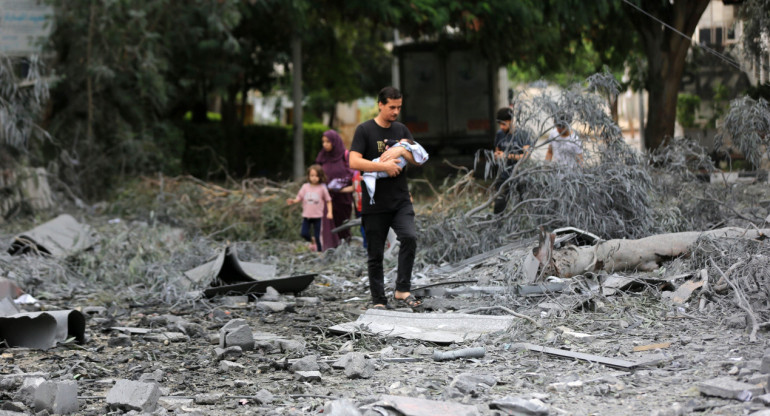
(338, 175)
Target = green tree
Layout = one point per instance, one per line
(124, 65)
(21, 102)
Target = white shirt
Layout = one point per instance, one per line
(565, 150)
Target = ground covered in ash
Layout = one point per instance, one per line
(157, 334)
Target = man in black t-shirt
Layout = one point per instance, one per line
(392, 207)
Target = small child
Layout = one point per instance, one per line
(313, 194)
(418, 153)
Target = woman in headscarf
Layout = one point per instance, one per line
(334, 161)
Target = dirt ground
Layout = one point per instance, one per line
(696, 345)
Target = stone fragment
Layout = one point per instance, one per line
(341, 407)
(728, 388)
(59, 397)
(308, 375)
(166, 337)
(228, 366)
(229, 353)
(130, 395)
(291, 346)
(240, 336)
(270, 294)
(264, 397)
(268, 306)
(764, 366)
(764, 399)
(119, 341)
(156, 376)
(309, 363)
(358, 366)
(472, 384)
(26, 393)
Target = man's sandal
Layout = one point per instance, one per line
(408, 302)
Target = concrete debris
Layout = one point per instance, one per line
(26, 393)
(729, 388)
(229, 353)
(264, 397)
(309, 363)
(228, 366)
(236, 333)
(59, 397)
(308, 375)
(130, 395)
(472, 384)
(441, 328)
(358, 366)
(517, 406)
(341, 407)
(409, 406)
(765, 364)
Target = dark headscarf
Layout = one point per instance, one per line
(334, 163)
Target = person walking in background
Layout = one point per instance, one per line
(333, 158)
(511, 145)
(316, 203)
(392, 207)
(564, 147)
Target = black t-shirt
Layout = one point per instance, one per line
(369, 140)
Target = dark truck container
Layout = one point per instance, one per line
(451, 94)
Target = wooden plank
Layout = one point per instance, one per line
(610, 362)
(652, 346)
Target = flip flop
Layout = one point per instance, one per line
(408, 302)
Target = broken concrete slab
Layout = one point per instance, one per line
(57, 397)
(42, 330)
(409, 406)
(130, 395)
(60, 237)
(729, 388)
(441, 328)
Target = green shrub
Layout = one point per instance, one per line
(686, 109)
(213, 149)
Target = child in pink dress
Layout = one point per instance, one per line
(313, 195)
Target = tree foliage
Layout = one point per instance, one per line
(21, 100)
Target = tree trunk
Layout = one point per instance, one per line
(666, 51)
(296, 96)
(643, 254)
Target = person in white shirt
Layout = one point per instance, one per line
(564, 146)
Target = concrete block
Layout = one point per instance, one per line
(240, 337)
(308, 375)
(59, 397)
(728, 388)
(764, 366)
(26, 393)
(130, 395)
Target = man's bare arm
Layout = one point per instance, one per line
(357, 162)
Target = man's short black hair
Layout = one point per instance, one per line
(504, 114)
(388, 93)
